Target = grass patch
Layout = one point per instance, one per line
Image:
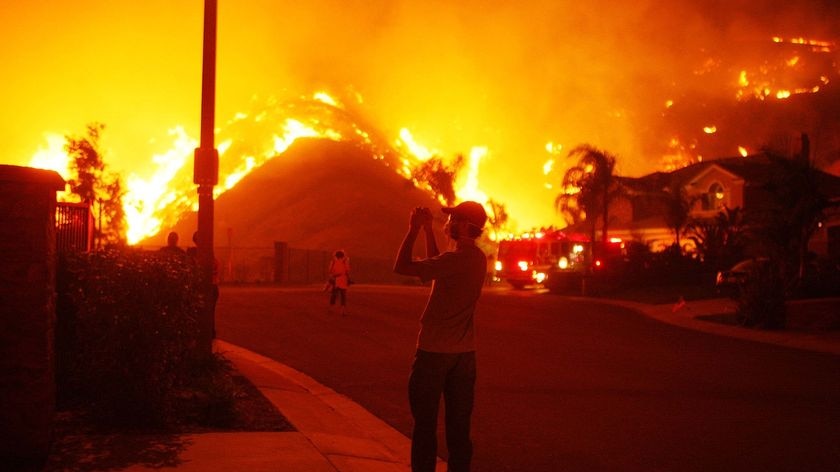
(729, 319)
(662, 294)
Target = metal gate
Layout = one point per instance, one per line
(74, 227)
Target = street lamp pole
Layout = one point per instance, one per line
(206, 176)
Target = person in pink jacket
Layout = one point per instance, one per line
(340, 276)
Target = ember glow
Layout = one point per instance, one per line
(660, 85)
(788, 76)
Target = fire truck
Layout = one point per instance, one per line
(533, 258)
(527, 259)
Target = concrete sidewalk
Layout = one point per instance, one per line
(347, 437)
(334, 434)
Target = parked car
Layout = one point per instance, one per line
(730, 281)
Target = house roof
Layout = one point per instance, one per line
(755, 170)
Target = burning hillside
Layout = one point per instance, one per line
(754, 94)
(511, 88)
(318, 194)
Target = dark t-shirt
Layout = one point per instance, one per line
(447, 321)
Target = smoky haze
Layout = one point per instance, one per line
(511, 76)
(514, 76)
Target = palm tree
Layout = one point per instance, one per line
(568, 203)
(498, 217)
(719, 241)
(588, 187)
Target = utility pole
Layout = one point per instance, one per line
(206, 176)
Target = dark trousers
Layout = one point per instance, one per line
(452, 375)
(341, 292)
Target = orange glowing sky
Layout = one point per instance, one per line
(508, 76)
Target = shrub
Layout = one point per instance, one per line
(822, 279)
(127, 331)
(761, 301)
(644, 268)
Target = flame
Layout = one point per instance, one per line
(324, 97)
(53, 157)
(816, 45)
(469, 189)
(766, 80)
(146, 199)
(553, 148)
(156, 202)
(742, 79)
(252, 138)
(678, 155)
(549, 164)
(417, 150)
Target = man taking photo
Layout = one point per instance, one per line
(444, 363)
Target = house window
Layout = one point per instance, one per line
(715, 198)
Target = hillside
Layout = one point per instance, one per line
(319, 194)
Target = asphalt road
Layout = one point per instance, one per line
(566, 384)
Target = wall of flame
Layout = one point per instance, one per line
(511, 85)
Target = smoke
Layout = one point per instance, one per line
(511, 76)
(514, 76)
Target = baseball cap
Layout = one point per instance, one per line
(473, 212)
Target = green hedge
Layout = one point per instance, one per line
(126, 334)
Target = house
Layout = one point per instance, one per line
(640, 212)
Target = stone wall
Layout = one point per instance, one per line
(27, 319)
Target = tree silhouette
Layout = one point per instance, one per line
(677, 208)
(498, 217)
(93, 184)
(588, 188)
(797, 205)
(439, 177)
(720, 240)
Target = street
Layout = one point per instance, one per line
(564, 384)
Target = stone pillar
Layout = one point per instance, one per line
(27, 318)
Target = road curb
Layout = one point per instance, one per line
(341, 429)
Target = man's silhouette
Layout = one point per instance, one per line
(444, 363)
